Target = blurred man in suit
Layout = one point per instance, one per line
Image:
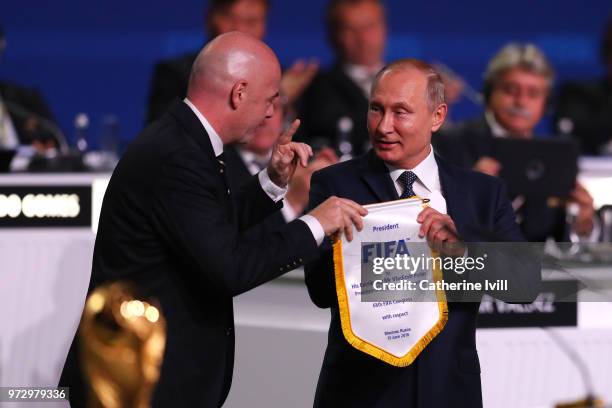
(245, 160)
(584, 108)
(22, 111)
(333, 108)
(517, 86)
(170, 226)
(337, 100)
(170, 77)
(407, 104)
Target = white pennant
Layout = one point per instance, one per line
(394, 331)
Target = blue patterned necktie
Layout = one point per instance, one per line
(406, 180)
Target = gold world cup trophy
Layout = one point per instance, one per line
(122, 345)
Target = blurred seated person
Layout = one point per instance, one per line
(335, 105)
(517, 84)
(23, 116)
(244, 160)
(170, 77)
(584, 109)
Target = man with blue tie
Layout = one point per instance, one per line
(172, 228)
(406, 105)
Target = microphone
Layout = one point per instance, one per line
(590, 399)
(45, 123)
(470, 93)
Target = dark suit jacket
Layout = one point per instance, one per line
(24, 105)
(169, 82)
(331, 96)
(238, 174)
(588, 106)
(447, 372)
(169, 226)
(464, 144)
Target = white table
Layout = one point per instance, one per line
(281, 336)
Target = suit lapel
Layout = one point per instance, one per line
(346, 86)
(237, 169)
(479, 139)
(194, 128)
(376, 175)
(455, 195)
(188, 119)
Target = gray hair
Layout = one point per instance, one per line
(514, 55)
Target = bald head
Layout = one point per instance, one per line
(233, 82)
(227, 58)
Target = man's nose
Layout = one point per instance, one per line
(386, 124)
(520, 98)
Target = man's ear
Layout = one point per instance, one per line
(439, 114)
(238, 94)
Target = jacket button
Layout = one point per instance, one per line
(221, 171)
(300, 260)
(229, 331)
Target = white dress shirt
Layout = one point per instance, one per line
(497, 130)
(8, 134)
(253, 162)
(427, 184)
(362, 76)
(273, 191)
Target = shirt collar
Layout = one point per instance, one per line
(362, 75)
(215, 140)
(250, 157)
(426, 171)
(361, 72)
(497, 130)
